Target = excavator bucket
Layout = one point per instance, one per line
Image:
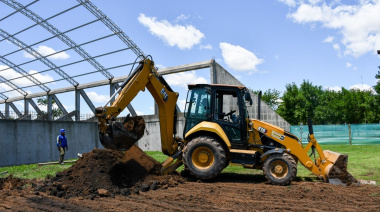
(336, 172)
(118, 137)
(123, 136)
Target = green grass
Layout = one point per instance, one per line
(363, 163)
(33, 170)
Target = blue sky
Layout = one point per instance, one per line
(265, 44)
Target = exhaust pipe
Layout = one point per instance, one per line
(259, 106)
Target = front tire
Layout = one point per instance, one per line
(204, 157)
(280, 169)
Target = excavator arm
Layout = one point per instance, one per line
(114, 136)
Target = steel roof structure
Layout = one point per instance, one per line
(19, 51)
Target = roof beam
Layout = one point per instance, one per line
(12, 85)
(24, 73)
(3, 97)
(189, 67)
(64, 38)
(113, 27)
(36, 54)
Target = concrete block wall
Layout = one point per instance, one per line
(29, 142)
(151, 141)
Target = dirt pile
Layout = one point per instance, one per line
(109, 170)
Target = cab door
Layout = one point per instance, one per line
(229, 113)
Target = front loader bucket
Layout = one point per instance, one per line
(118, 137)
(336, 172)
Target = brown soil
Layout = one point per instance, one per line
(114, 171)
(135, 125)
(105, 180)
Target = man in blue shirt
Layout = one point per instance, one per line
(61, 144)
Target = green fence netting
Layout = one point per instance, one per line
(339, 134)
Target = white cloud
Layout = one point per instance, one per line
(334, 88)
(239, 58)
(362, 87)
(182, 17)
(45, 50)
(93, 96)
(184, 78)
(208, 46)
(184, 37)
(41, 77)
(357, 26)
(290, 3)
(348, 65)
(329, 39)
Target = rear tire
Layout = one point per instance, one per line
(204, 157)
(280, 169)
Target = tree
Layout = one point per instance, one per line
(289, 108)
(271, 97)
(56, 112)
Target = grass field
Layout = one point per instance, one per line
(363, 163)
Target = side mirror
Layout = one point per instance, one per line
(247, 97)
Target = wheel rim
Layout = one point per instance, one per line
(279, 169)
(202, 157)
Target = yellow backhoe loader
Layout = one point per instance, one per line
(217, 132)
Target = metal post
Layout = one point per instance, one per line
(259, 106)
(301, 131)
(6, 110)
(77, 105)
(349, 134)
(50, 107)
(26, 107)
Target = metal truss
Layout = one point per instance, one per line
(112, 26)
(36, 54)
(3, 96)
(78, 48)
(64, 38)
(24, 73)
(12, 85)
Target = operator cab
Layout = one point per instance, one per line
(221, 104)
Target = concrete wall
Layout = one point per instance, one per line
(220, 76)
(28, 142)
(151, 141)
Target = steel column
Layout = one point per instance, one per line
(77, 105)
(50, 107)
(26, 107)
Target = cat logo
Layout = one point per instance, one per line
(164, 95)
(278, 135)
(263, 130)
